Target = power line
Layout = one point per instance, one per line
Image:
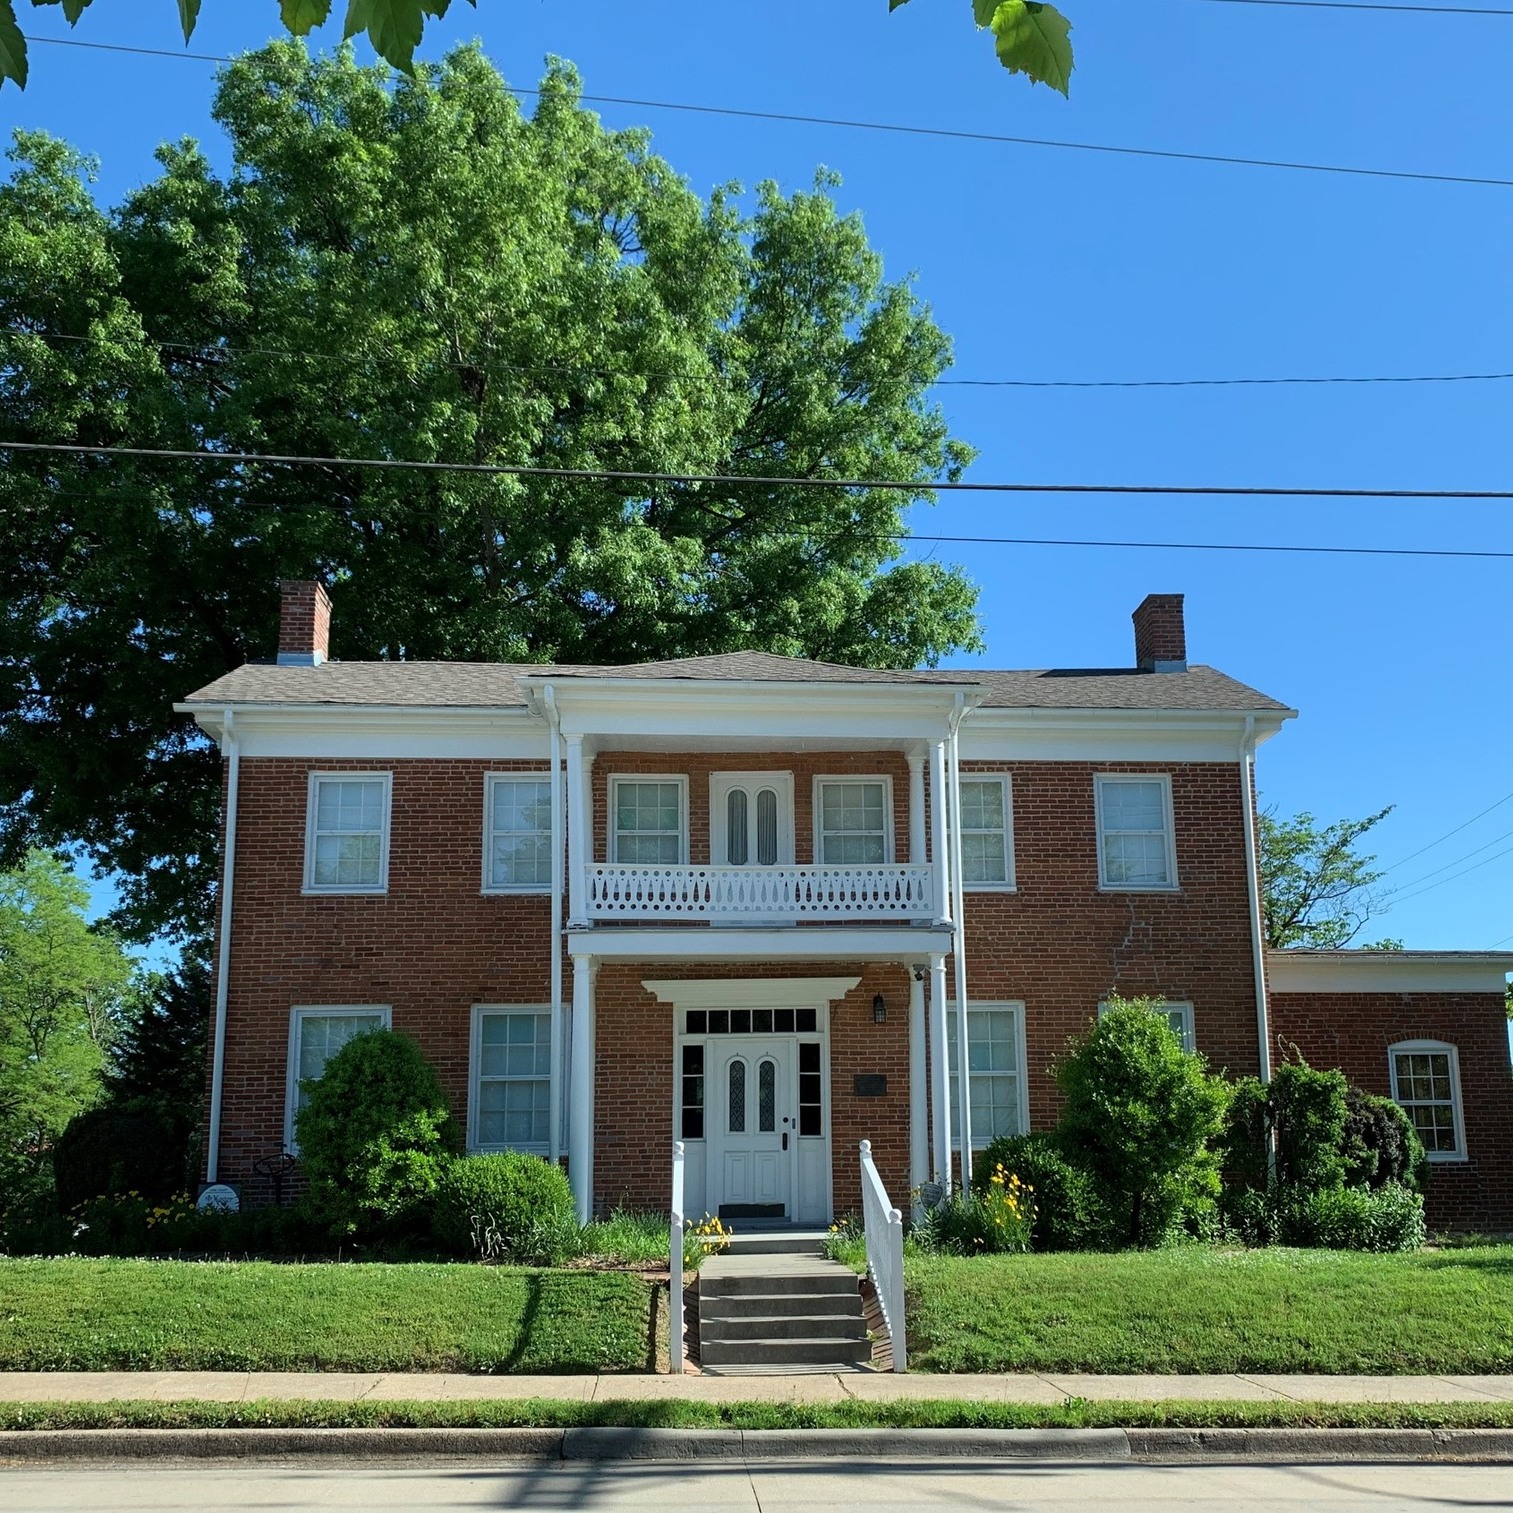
(946, 133)
(1364, 5)
(217, 349)
(595, 474)
(1446, 836)
(1403, 898)
(1458, 860)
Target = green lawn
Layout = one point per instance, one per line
(1200, 1310)
(82, 1315)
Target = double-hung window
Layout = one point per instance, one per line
(1178, 1015)
(646, 819)
(853, 821)
(316, 1034)
(512, 1079)
(995, 1065)
(1426, 1083)
(1136, 848)
(987, 832)
(347, 832)
(518, 856)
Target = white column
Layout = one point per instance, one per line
(959, 953)
(916, 807)
(940, 1073)
(938, 828)
(919, 1130)
(580, 841)
(580, 1139)
(554, 965)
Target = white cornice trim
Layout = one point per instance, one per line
(1388, 971)
(758, 945)
(749, 992)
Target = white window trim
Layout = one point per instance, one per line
(611, 830)
(1437, 1047)
(475, 1067)
(320, 776)
(1169, 824)
(297, 1015)
(1189, 1036)
(1010, 883)
(720, 784)
(817, 821)
(981, 1142)
(489, 780)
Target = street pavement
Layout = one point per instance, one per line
(762, 1487)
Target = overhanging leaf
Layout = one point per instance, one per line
(394, 28)
(982, 11)
(12, 46)
(73, 9)
(1034, 39)
(302, 16)
(189, 13)
(893, 5)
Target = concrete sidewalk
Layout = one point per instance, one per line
(819, 1387)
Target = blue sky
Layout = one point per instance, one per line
(1066, 265)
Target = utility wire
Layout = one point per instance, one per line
(218, 349)
(1363, 5)
(1404, 897)
(1446, 836)
(916, 131)
(630, 475)
(1458, 860)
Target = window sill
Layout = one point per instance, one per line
(990, 888)
(535, 890)
(1447, 1158)
(1139, 887)
(309, 892)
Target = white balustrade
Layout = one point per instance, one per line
(676, 1323)
(884, 1227)
(783, 894)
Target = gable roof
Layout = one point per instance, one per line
(504, 685)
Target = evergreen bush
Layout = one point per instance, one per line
(1308, 1114)
(375, 1137)
(511, 1206)
(1380, 1144)
(1067, 1211)
(112, 1151)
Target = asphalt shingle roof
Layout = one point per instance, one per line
(467, 685)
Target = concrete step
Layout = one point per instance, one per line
(794, 1242)
(746, 1305)
(715, 1282)
(776, 1354)
(796, 1326)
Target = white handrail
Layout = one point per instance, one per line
(884, 1228)
(676, 1323)
(899, 890)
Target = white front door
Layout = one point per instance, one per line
(753, 1142)
(752, 819)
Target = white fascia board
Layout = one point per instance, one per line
(334, 731)
(1112, 735)
(1388, 971)
(758, 945)
(771, 711)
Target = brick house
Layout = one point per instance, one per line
(729, 900)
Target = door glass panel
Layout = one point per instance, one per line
(767, 1085)
(736, 851)
(737, 1099)
(693, 1092)
(767, 828)
(811, 1095)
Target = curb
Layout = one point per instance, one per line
(1487, 1446)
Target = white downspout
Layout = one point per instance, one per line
(223, 957)
(959, 945)
(554, 1095)
(1252, 883)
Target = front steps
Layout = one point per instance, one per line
(769, 1309)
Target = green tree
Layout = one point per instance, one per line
(416, 270)
(1138, 1117)
(65, 989)
(1319, 890)
(1029, 37)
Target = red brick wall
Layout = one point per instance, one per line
(633, 1090)
(1353, 1030)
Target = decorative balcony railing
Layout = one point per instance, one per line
(902, 891)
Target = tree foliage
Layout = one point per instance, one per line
(417, 270)
(1319, 890)
(1029, 37)
(65, 989)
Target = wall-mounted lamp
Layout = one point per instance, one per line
(879, 1009)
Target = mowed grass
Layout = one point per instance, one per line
(1204, 1310)
(86, 1315)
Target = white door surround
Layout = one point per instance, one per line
(751, 819)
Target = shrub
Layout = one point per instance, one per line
(1380, 1144)
(994, 1221)
(1354, 1218)
(106, 1152)
(1308, 1115)
(509, 1206)
(1067, 1212)
(1139, 1114)
(374, 1137)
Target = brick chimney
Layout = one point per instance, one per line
(1160, 637)
(304, 623)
